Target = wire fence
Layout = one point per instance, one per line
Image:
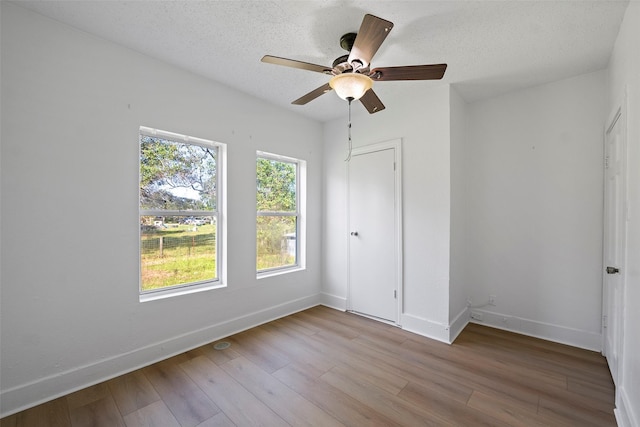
(165, 246)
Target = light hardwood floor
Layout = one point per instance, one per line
(327, 368)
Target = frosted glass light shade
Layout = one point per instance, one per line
(350, 85)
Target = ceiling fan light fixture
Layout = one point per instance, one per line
(350, 85)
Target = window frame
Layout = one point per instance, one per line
(219, 213)
(299, 214)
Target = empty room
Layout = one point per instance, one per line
(320, 213)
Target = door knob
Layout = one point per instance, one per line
(354, 233)
(610, 270)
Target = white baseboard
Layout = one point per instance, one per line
(556, 333)
(408, 322)
(458, 324)
(624, 411)
(34, 393)
(434, 330)
(333, 301)
(424, 327)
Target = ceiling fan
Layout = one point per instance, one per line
(352, 77)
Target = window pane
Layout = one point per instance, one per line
(176, 250)
(176, 176)
(276, 186)
(276, 241)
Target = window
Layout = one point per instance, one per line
(280, 208)
(180, 221)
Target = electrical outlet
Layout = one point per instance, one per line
(476, 315)
(492, 300)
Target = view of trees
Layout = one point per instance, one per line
(276, 186)
(176, 176)
(276, 193)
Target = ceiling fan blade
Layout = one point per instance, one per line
(372, 33)
(296, 64)
(371, 102)
(312, 95)
(411, 72)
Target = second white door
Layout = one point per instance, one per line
(614, 240)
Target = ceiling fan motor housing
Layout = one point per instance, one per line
(341, 64)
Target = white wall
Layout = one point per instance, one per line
(624, 74)
(534, 209)
(459, 283)
(71, 108)
(421, 120)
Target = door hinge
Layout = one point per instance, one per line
(395, 294)
(604, 322)
(394, 165)
(606, 162)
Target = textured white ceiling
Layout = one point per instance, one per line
(491, 47)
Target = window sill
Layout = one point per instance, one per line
(271, 273)
(169, 293)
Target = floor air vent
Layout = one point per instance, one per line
(222, 345)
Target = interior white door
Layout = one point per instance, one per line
(614, 246)
(373, 282)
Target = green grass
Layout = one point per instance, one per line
(190, 256)
(187, 256)
(266, 260)
(173, 271)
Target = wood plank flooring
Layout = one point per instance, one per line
(322, 367)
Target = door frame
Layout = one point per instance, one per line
(396, 146)
(618, 115)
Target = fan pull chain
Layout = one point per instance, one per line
(349, 131)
